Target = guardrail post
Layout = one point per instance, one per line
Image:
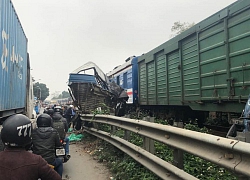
(178, 154)
(113, 129)
(126, 132)
(95, 125)
(148, 144)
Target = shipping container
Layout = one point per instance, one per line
(14, 66)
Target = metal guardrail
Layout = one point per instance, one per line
(230, 154)
(160, 167)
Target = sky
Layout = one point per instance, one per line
(65, 34)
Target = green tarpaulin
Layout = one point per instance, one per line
(74, 137)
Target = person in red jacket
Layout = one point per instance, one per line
(16, 162)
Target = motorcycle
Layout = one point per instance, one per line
(60, 152)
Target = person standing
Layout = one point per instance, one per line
(69, 114)
(45, 139)
(16, 162)
(65, 110)
(37, 108)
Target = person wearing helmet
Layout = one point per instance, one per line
(54, 106)
(61, 125)
(50, 112)
(16, 162)
(45, 139)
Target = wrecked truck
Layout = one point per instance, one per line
(90, 89)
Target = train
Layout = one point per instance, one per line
(126, 76)
(16, 86)
(202, 73)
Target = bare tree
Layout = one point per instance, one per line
(179, 27)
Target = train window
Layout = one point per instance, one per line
(125, 84)
(118, 80)
(121, 80)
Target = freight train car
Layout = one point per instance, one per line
(205, 71)
(15, 81)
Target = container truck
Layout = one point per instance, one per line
(16, 90)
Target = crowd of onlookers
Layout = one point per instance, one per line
(68, 111)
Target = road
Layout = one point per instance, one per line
(82, 166)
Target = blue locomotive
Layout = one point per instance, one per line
(126, 76)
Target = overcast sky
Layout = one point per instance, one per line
(65, 34)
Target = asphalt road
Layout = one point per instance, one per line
(82, 166)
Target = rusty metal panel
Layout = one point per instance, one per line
(13, 65)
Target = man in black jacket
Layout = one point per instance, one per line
(70, 114)
(16, 162)
(45, 139)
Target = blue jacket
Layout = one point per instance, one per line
(37, 109)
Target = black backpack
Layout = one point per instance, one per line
(59, 126)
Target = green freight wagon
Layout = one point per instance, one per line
(206, 68)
